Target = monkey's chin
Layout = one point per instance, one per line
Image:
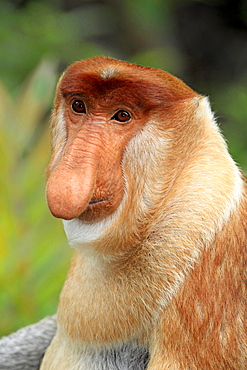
(81, 233)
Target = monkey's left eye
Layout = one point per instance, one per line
(78, 106)
(122, 116)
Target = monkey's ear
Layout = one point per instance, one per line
(197, 101)
(204, 111)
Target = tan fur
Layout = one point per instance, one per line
(166, 269)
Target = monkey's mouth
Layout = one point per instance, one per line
(97, 201)
(96, 210)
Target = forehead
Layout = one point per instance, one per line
(113, 80)
(110, 87)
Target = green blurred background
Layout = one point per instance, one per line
(202, 42)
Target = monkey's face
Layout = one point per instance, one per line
(85, 178)
(100, 105)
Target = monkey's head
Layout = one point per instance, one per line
(102, 107)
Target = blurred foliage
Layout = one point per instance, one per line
(33, 251)
(203, 42)
(39, 30)
(232, 103)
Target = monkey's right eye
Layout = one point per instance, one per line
(78, 106)
(122, 116)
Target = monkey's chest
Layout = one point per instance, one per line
(99, 310)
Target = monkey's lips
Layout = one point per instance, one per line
(96, 210)
(97, 201)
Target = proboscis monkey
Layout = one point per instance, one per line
(156, 210)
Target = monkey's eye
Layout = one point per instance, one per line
(122, 116)
(78, 106)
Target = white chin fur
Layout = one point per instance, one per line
(80, 233)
